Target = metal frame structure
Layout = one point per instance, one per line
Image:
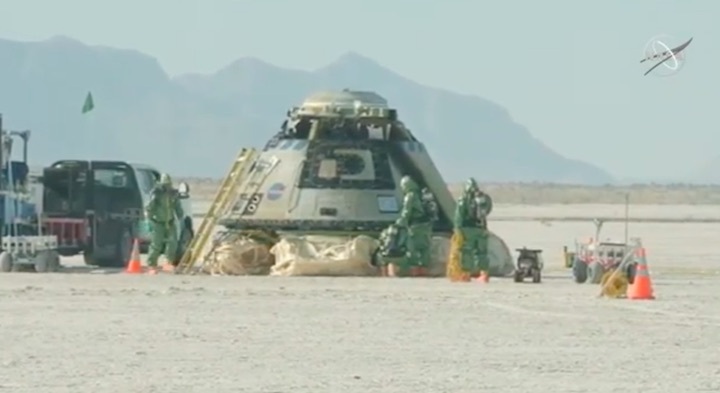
(19, 247)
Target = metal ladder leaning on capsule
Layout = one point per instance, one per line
(224, 199)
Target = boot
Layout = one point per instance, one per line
(484, 277)
(417, 271)
(384, 271)
(422, 271)
(465, 275)
(392, 270)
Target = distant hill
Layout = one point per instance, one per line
(194, 124)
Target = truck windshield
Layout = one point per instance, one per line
(146, 180)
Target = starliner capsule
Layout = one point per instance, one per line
(335, 168)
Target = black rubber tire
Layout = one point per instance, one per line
(186, 236)
(518, 276)
(88, 258)
(536, 276)
(125, 246)
(121, 257)
(595, 272)
(630, 271)
(92, 260)
(580, 271)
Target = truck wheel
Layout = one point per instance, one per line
(122, 252)
(120, 257)
(580, 271)
(630, 272)
(88, 258)
(518, 276)
(6, 262)
(536, 276)
(103, 262)
(596, 271)
(91, 260)
(125, 248)
(185, 238)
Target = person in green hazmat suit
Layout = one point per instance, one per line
(470, 223)
(163, 211)
(392, 249)
(417, 221)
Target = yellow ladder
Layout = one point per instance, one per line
(251, 184)
(224, 199)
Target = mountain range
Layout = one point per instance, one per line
(193, 125)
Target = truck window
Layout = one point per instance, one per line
(115, 189)
(111, 178)
(147, 180)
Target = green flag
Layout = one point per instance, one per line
(89, 104)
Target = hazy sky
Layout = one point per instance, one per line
(567, 69)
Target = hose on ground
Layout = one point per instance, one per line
(454, 269)
(614, 284)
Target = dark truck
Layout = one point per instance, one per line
(97, 208)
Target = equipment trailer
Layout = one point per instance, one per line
(591, 260)
(24, 242)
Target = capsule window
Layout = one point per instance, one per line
(328, 169)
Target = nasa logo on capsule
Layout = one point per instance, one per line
(275, 191)
(666, 54)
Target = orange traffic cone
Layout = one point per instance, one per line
(134, 265)
(641, 288)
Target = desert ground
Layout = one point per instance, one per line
(86, 330)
